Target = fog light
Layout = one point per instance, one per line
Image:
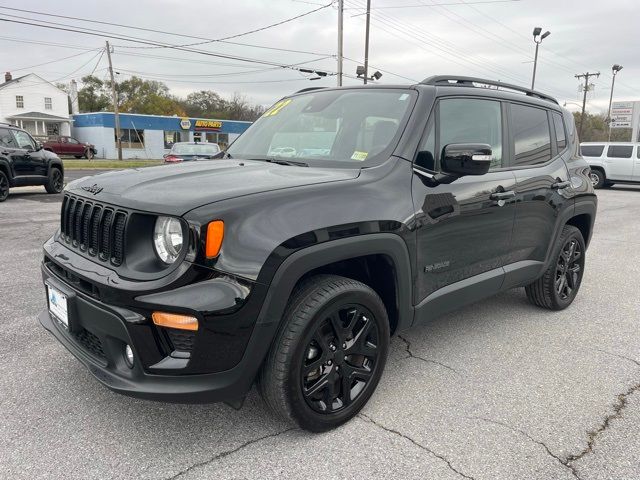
(128, 356)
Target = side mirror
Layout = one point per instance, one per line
(38, 146)
(466, 159)
(165, 155)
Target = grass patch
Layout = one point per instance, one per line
(108, 164)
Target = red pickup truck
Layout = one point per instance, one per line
(70, 146)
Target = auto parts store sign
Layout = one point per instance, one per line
(209, 125)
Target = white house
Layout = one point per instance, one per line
(32, 103)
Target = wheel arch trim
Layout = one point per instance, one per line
(297, 264)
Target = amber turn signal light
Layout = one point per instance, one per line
(215, 235)
(174, 320)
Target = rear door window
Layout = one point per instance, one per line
(591, 150)
(620, 151)
(531, 135)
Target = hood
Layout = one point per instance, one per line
(176, 189)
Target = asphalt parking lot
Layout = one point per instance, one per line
(498, 390)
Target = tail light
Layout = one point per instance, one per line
(172, 159)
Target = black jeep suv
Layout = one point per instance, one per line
(24, 162)
(340, 217)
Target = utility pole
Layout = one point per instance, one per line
(366, 44)
(340, 18)
(585, 89)
(116, 114)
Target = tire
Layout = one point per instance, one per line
(55, 182)
(88, 154)
(559, 285)
(78, 156)
(4, 186)
(597, 178)
(315, 353)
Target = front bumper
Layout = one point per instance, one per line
(99, 332)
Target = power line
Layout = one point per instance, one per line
(96, 33)
(203, 41)
(440, 4)
(49, 62)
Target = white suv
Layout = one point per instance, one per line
(612, 162)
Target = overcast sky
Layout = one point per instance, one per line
(470, 37)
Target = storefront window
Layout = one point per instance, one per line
(132, 138)
(222, 139)
(171, 137)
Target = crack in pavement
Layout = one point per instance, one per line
(226, 453)
(416, 443)
(427, 360)
(632, 360)
(563, 462)
(618, 408)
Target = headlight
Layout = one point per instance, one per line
(167, 238)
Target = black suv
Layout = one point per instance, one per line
(24, 162)
(339, 218)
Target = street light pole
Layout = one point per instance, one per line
(366, 43)
(536, 33)
(614, 70)
(340, 37)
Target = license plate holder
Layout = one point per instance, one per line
(60, 304)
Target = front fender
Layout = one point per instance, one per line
(297, 264)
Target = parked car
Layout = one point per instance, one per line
(612, 163)
(24, 162)
(188, 283)
(70, 146)
(187, 151)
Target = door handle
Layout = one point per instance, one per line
(561, 185)
(502, 195)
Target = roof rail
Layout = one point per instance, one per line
(452, 80)
(308, 89)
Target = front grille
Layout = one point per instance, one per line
(94, 228)
(91, 343)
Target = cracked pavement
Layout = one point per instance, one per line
(497, 390)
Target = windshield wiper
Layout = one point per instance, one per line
(281, 161)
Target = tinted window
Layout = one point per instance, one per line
(6, 139)
(468, 120)
(530, 135)
(591, 150)
(560, 135)
(620, 151)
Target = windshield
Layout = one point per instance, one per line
(195, 149)
(323, 127)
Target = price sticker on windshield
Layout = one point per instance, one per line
(360, 156)
(273, 111)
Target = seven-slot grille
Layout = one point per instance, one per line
(93, 228)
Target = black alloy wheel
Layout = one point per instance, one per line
(4, 186)
(559, 284)
(55, 183)
(568, 269)
(340, 358)
(328, 355)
